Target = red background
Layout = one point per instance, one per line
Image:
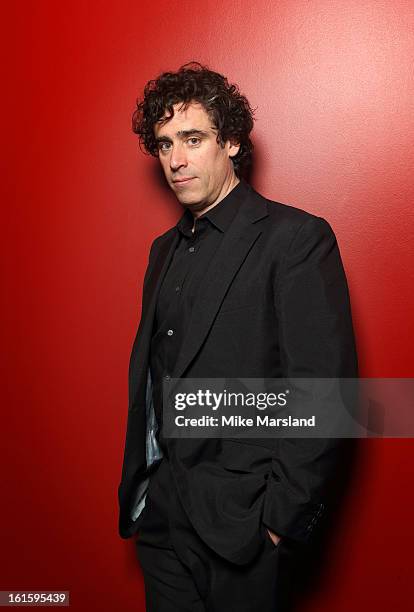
(333, 85)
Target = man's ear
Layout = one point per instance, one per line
(234, 148)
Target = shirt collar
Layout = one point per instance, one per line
(221, 215)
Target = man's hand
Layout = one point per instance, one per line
(274, 537)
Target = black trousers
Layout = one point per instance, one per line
(182, 574)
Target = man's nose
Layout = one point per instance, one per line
(178, 157)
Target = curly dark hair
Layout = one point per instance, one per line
(229, 110)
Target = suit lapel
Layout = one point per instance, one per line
(234, 248)
(155, 277)
(141, 349)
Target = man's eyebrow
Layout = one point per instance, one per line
(183, 134)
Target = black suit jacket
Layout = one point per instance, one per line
(274, 303)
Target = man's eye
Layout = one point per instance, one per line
(164, 146)
(194, 140)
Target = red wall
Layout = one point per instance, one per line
(333, 84)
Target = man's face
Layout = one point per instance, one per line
(197, 168)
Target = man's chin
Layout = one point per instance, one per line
(187, 199)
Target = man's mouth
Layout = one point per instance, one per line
(183, 181)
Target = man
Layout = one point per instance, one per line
(241, 287)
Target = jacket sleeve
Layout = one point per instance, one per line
(134, 481)
(316, 340)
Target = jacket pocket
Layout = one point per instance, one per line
(245, 458)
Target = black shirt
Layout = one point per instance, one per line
(181, 283)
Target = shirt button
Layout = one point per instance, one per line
(191, 249)
(170, 332)
(178, 288)
(167, 377)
